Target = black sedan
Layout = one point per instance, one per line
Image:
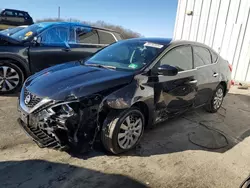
(124, 88)
(43, 45)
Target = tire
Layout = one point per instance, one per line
(112, 129)
(245, 183)
(15, 75)
(218, 96)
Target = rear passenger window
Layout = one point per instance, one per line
(180, 57)
(15, 13)
(86, 35)
(118, 36)
(20, 14)
(106, 37)
(201, 56)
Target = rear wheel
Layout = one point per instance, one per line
(216, 100)
(122, 131)
(11, 78)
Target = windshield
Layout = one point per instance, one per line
(30, 31)
(127, 55)
(11, 31)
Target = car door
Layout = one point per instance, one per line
(207, 74)
(85, 42)
(52, 48)
(175, 94)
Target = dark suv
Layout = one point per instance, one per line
(11, 17)
(46, 44)
(119, 91)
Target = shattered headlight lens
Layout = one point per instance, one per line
(65, 109)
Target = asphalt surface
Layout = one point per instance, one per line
(197, 149)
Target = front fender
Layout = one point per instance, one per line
(135, 93)
(129, 95)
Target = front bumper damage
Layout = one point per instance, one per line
(40, 137)
(64, 125)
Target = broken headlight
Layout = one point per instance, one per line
(63, 110)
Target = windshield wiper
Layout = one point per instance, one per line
(101, 66)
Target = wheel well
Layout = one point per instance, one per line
(141, 105)
(144, 109)
(17, 63)
(225, 87)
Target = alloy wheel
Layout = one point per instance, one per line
(218, 98)
(9, 78)
(130, 131)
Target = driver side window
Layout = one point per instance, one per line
(55, 36)
(179, 57)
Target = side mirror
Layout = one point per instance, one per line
(167, 70)
(37, 40)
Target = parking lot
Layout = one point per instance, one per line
(197, 149)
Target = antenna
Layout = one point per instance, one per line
(59, 12)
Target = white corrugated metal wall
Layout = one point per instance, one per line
(223, 25)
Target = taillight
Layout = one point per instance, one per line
(230, 67)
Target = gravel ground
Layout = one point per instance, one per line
(197, 149)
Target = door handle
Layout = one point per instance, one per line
(191, 82)
(215, 74)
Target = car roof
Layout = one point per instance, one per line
(105, 29)
(183, 42)
(13, 10)
(78, 24)
(169, 41)
(163, 41)
(64, 23)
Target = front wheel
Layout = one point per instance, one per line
(216, 100)
(122, 131)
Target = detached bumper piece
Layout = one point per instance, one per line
(41, 138)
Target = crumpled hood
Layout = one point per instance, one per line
(59, 82)
(5, 38)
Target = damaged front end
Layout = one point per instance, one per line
(61, 125)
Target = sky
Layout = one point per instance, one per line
(151, 18)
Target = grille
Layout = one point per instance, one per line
(34, 99)
(41, 138)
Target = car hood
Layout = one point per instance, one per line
(74, 79)
(5, 38)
